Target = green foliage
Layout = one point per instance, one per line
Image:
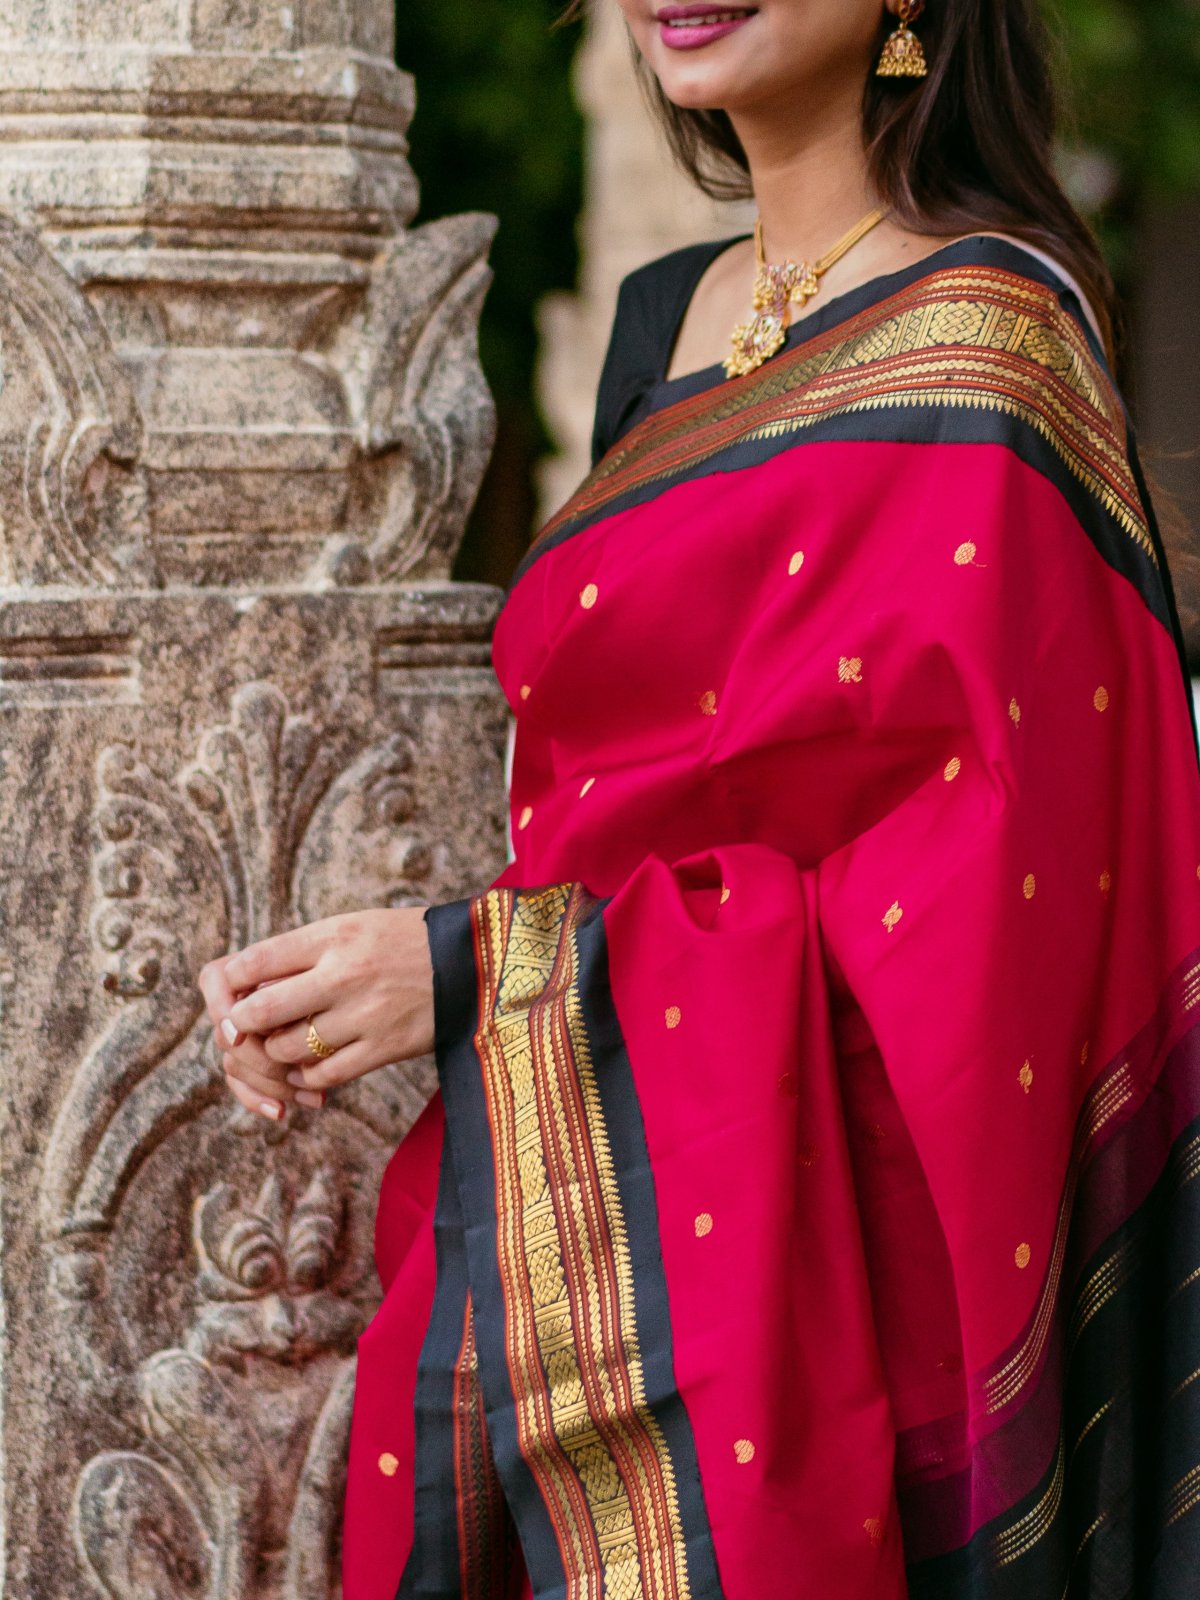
(1134, 79)
(497, 130)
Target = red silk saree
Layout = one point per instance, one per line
(810, 1203)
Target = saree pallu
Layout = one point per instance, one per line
(810, 1204)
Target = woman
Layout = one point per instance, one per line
(809, 1205)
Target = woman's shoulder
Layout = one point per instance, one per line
(981, 281)
(658, 292)
(1002, 323)
(651, 303)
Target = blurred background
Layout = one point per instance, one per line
(543, 125)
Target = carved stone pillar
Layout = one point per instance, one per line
(241, 422)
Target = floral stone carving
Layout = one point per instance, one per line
(238, 1474)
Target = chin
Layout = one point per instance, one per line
(707, 87)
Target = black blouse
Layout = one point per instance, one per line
(654, 299)
(650, 310)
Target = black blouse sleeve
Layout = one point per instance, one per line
(650, 308)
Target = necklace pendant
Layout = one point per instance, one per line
(777, 288)
(756, 341)
(805, 285)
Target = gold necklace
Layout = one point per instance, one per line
(776, 290)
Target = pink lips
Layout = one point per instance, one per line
(690, 26)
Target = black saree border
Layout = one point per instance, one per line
(977, 344)
(1116, 1512)
(464, 1543)
(1098, 1400)
(591, 1437)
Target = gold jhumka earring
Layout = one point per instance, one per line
(903, 55)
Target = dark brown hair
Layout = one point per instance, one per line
(968, 149)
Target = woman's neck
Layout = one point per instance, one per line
(810, 177)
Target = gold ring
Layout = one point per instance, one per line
(317, 1046)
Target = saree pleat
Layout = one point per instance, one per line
(821, 1079)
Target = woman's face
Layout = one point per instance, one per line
(741, 57)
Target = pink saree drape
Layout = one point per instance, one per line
(809, 1205)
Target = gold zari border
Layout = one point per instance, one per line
(963, 338)
(584, 1426)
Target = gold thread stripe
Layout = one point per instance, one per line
(1187, 1383)
(584, 1424)
(1107, 1281)
(1188, 1163)
(1034, 1525)
(1090, 1424)
(1092, 1531)
(1184, 1497)
(1106, 1099)
(1187, 1283)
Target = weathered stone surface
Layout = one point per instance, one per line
(241, 423)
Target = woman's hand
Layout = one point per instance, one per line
(364, 981)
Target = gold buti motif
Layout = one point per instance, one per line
(587, 785)
(525, 818)
(704, 1225)
(724, 894)
(708, 703)
(1085, 1052)
(388, 1464)
(850, 669)
(588, 596)
(952, 769)
(1029, 887)
(1101, 699)
(795, 563)
(743, 1451)
(526, 691)
(1025, 1077)
(1022, 1255)
(1014, 712)
(965, 554)
(673, 1016)
(873, 1528)
(892, 915)
(1105, 882)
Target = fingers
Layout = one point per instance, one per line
(267, 1097)
(219, 1000)
(254, 1099)
(279, 1004)
(280, 957)
(343, 1066)
(250, 1060)
(290, 1047)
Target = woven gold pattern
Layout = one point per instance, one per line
(584, 1426)
(964, 338)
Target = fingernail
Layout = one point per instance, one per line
(271, 1108)
(310, 1097)
(296, 1078)
(230, 1033)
